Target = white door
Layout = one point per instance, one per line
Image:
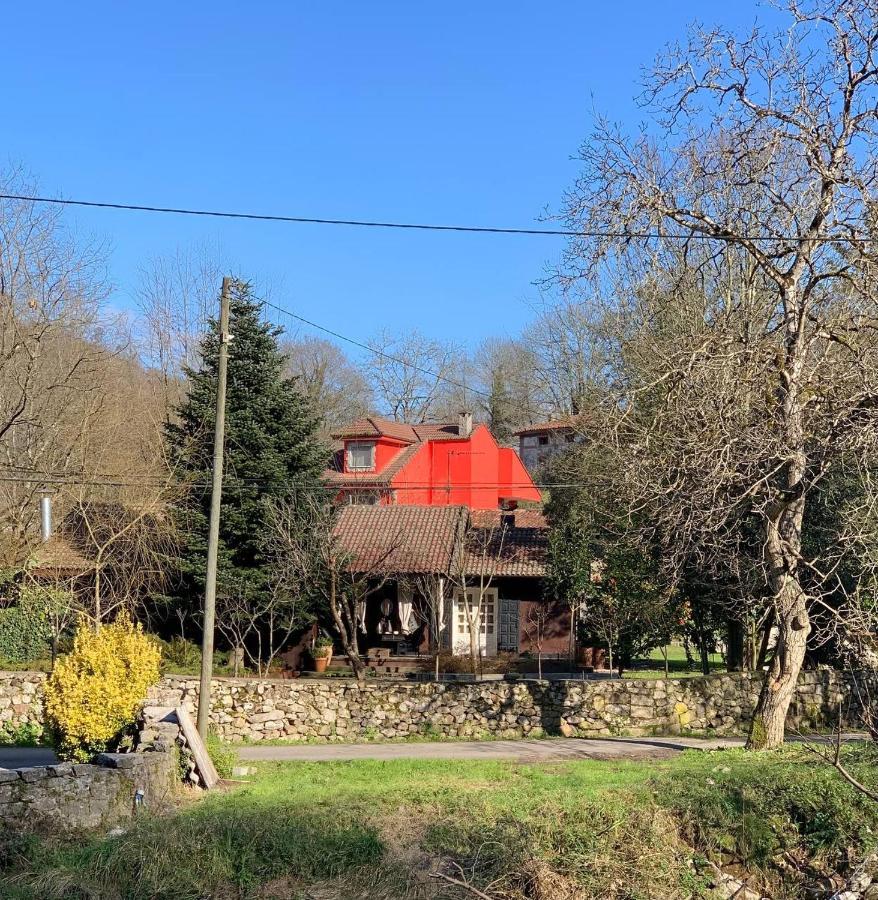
(483, 617)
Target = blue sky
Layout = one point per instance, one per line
(463, 112)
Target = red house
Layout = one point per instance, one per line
(393, 463)
(444, 499)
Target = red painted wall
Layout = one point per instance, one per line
(513, 473)
(476, 473)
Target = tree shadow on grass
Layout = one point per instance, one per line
(226, 846)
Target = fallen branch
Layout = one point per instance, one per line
(834, 760)
(457, 882)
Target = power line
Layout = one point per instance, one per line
(376, 351)
(718, 234)
(98, 480)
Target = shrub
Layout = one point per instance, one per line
(95, 691)
(25, 629)
(178, 653)
(27, 734)
(322, 648)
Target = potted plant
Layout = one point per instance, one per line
(322, 653)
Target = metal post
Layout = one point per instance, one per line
(215, 500)
(45, 518)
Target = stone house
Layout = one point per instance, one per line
(537, 444)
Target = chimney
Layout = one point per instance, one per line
(45, 518)
(507, 519)
(465, 424)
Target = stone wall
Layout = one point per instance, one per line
(335, 710)
(21, 700)
(71, 797)
(341, 710)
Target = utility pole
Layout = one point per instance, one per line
(215, 500)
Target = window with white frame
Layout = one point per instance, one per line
(361, 455)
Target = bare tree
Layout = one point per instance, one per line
(52, 290)
(565, 356)
(129, 544)
(538, 617)
(505, 375)
(474, 563)
(337, 389)
(313, 563)
(176, 296)
(408, 375)
(748, 227)
(259, 623)
(431, 589)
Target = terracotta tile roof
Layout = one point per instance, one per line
(376, 426)
(410, 539)
(423, 539)
(569, 423)
(438, 432)
(509, 552)
(373, 479)
(522, 518)
(58, 556)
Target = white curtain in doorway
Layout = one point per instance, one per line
(405, 609)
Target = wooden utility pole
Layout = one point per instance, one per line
(215, 500)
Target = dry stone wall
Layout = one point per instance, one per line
(21, 701)
(335, 710)
(342, 710)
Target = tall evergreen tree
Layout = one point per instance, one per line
(271, 450)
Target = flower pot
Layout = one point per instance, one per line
(321, 663)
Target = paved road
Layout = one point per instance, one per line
(519, 751)
(21, 757)
(551, 750)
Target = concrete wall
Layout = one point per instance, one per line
(341, 710)
(68, 797)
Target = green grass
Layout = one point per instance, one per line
(678, 667)
(377, 829)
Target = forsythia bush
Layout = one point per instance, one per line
(95, 691)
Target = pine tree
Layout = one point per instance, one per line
(271, 450)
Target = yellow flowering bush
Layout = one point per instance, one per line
(95, 691)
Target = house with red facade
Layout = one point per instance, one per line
(446, 501)
(393, 463)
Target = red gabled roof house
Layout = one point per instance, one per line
(380, 461)
(443, 498)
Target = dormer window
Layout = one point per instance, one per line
(361, 455)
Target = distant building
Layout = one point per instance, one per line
(447, 464)
(539, 443)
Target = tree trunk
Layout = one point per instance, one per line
(703, 652)
(736, 643)
(337, 607)
(779, 687)
(783, 544)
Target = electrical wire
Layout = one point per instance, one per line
(375, 350)
(718, 234)
(106, 480)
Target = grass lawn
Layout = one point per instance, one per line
(678, 667)
(369, 829)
